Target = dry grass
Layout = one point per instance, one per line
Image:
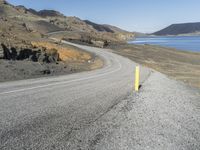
(180, 65)
(97, 63)
(65, 53)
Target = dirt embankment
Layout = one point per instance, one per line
(65, 53)
(44, 58)
(180, 65)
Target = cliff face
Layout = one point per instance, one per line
(178, 29)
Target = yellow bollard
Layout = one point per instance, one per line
(137, 78)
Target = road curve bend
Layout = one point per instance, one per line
(48, 113)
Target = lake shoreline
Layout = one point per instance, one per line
(182, 43)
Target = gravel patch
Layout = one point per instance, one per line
(165, 114)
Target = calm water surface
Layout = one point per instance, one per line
(187, 43)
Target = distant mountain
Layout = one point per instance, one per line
(51, 13)
(41, 13)
(180, 29)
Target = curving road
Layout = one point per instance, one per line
(99, 110)
(50, 113)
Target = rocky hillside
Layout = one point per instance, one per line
(27, 52)
(180, 29)
(46, 21)
(20, 26)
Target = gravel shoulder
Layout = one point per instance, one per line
(165, 114)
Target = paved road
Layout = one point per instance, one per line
(98, 110)
(48, 113)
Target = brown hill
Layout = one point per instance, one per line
(20, 58)
(21, 27)
(46, 21)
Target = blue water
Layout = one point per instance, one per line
(187, 43)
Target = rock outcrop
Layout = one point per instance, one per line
(36, 55)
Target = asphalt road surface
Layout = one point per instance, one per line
(99, 110)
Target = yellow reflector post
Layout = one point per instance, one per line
(137, 78)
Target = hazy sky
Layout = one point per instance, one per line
(132, 15)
